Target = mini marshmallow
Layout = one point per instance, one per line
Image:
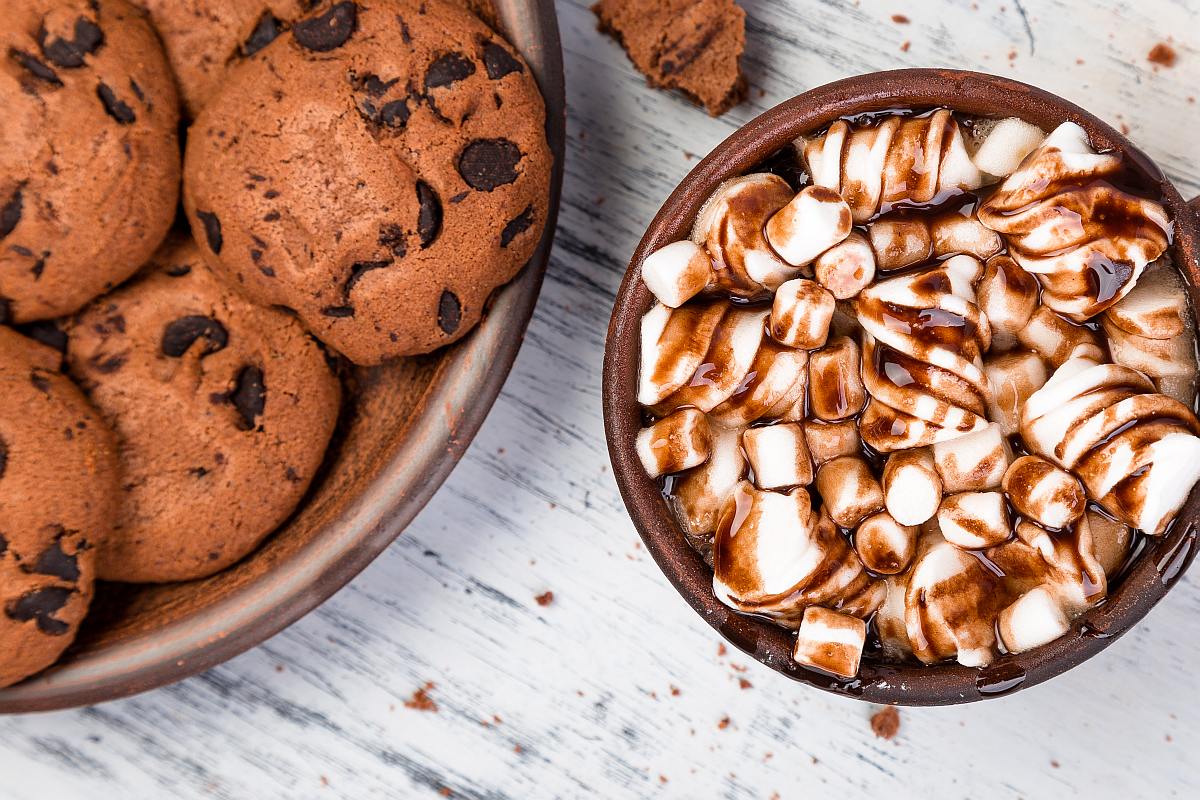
(974, 520)
(778, 456)
(830, 440)
(730, 228)
(815, 220)
(1156, 307)
(673, 345)
(724, 368)
(912, 487)
(889, 620)
(698, 494)
(678, 272)
(884, 545)
(900, 242)
(1006, 146)
(957, 233)
(1013, 377)
(950, 603)
(768, 383)
(973, 462)
(1008, 297)
(849, 489)
(1111, 541)
(847, 268)
(1158, 358)
(835, 386)
(801, 313)
(674, 443)
(830, 642)
(1039, 490)
(1034, 619)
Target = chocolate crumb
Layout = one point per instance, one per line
(721, 651)
(745, 684)
(1162, 54)
(420, 700)
(905, 45)
(1054, 763)
(885, 723)
(723, 724)
(900, 19)
(545, 598)
(674, 691)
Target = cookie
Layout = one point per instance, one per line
(380, 169)
(222, 409)
(89, 152)
(58, 490)
(694, 46)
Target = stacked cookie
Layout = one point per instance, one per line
(357, 181)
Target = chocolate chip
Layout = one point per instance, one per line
(39, 266)
(429, 217)
(41, 605)
(268, 271)
(393, 238)
(197, 472)
(107, 365)
(265, 30)
(35, 66)
(449, 312)
(499, 62)
(55, 562)
(3, 541)
(181, 334)
(212, 230)
(3, 466)
(359, 268)
(5, 310)
(116, 108)
(47, 332)
(372, 84)
(39, 380)
(448, 69)
(327, 31)
(394, 114)
(338, 311)
(137, 90)
(69, 53)
(10, 213)
(516, 226)
(487, 163)
(292, 476)
(249, 395)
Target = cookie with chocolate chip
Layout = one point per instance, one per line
(89, 152)
(222, 408)
(380, 168)
(58, 491)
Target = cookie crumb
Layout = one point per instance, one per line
(905, 45)
(885, 723)
(674, 691)
(745, 684)
(723, 724)
(1162, 54)
(900, 19)
(545, 598)
(721, 651)
(1054, 763)
(420, 700)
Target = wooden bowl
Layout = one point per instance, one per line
(404, 427)
(1156, 569)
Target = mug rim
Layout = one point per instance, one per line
(1155, 569)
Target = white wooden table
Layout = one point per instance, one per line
(616, 689)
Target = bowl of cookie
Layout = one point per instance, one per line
(261, 279)
(900, 387)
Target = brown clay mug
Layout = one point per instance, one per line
(1157, 568)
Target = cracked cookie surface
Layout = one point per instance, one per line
(380, 169)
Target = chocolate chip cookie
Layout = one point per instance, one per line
(222, 409)
(58, 491)
(89, 153)
(379, 168)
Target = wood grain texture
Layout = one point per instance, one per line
(616, 689)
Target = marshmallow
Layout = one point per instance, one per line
(778, 456)
(1033, 620)
(955, 233)
(889, 619)
(900, 241)
(974, 462)
(698, 494)
(884, 545)
(773, 555)
(1178, 387)
(792, 406)
(1174, 356)
(1054, 338)
(725, 366)
(849, 489)
(912, 487)
(730, 227)
(923, 342)
(1013, 377)
(1136, 451)
(1064, 561)
(974, 520)
(768, 383)
(889, 162)
(847, 268)
(830, 642)
(677, 272)
(1008, 295)
(1006, 145)
(829, 440)
(673, 345)
(674, 443)
(815, 220)
(1066, 222)
(950, 605)
(1049, 496)
(835, 387)
(801, 313)
(1111, 541)
(1156, 307)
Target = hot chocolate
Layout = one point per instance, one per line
(916, 388)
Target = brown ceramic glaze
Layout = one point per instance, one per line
(405, 426)
(1156, 569)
